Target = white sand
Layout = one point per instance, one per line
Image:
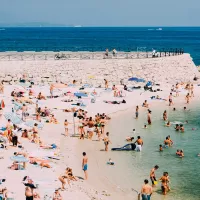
(164, 71)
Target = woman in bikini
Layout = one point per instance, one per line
(35, 133)
(66, 127)
(63, 177)
(102, 125)
(90, 128)
(106, 141)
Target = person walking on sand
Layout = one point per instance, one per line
(24, 111)
(85, 165)
(170, 99)
(146, 190)
(51, 90)
(187, 98)
(106, 141)
(177, 90)
(136, 112)
(149, 117)
(153, 176)
(66, 127)
(106, 84)
(192, 90)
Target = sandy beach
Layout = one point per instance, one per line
(89, 78)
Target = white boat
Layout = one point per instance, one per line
(159, 29)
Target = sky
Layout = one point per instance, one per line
(102, 12)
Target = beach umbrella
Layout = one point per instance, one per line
(80, 94)
(31, 123)
(13, 117)
(136, 79)
(19, 158)
(2, 104)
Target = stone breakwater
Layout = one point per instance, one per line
(167, 70)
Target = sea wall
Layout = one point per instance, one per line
(161, 70)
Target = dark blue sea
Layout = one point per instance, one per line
(100, 38)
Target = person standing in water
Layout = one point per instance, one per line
(149, 117)
(146, 190)
(136, 112)
(164, 183)
(165, 115)
(140, 143)
(153, 176)
(85, 165)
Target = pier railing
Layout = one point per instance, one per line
(11, 56)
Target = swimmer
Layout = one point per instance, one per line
(182, 128)
(168, 124)
(174, 109)
(198, 155)
(160, 148)
(178, 152)
(145, 126)
(170, 140)
(133, 131)
(129, 139)
(177, 128)
(181, 155)
(167, 142)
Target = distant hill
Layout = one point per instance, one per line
(34, 24)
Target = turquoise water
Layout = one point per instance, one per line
(133, 167)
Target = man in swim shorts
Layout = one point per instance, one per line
(153, 176)
(139, 142)
(146, 190)
(85, 165)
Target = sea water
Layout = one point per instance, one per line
(131, 168)
(100, 38)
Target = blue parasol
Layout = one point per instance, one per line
(80, 94)
(19, 159)
(136, 79)
(31, 123)
(13, 117)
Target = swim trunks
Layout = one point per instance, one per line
(29, 198)
(153, 178)
(146, 197)
(85, 167)
(138, 148)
